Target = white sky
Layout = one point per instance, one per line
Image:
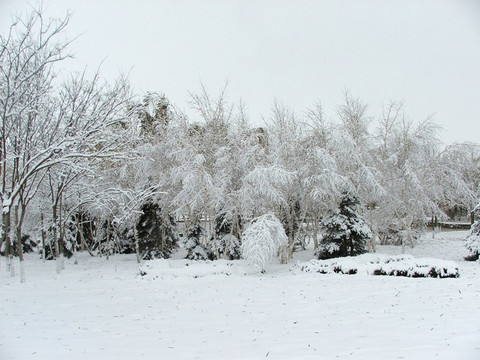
(300, 52)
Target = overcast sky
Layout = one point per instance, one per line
(426, 53)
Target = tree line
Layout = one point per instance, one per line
(86, 164)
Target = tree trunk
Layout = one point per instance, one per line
(215, 244)
(8, 242)
(18, 235)
(107, 234)
(56, 242)
(84, 245)
(291, 232)
(54, 231)
(79, 222)
(315, 232)
(61, 230)
(135, 237)
(163, 230)
(44, 235)
(97, 234)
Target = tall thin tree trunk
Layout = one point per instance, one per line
(18, 235)
(107, 234)
(135, 237)
(61, 230)
(55, 236)
(97, 234)
(215, 244)
(115, 242)
(8, 242)
(44, 235)
(54, 231)
(83, 242)
(163, 230)
(79, 223)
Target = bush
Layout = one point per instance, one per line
(386, 265)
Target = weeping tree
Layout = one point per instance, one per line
(264, 240)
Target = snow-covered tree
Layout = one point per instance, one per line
(228, 244)
(157, 233)
(473, 240)
(345, 232)
(264, 240)
(193, 244)
(407, 159)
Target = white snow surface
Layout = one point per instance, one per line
(226, 310)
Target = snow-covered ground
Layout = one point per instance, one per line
(185, 310)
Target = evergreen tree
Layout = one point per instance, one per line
(228, 244)
(473, 240)
(196, 250)
(156, 232)
(345, 232)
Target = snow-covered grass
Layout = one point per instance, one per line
(183, 309)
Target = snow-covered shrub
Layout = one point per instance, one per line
(195, 249)
(473, 242)
(263, 240)
(345, 232)
(386, 265)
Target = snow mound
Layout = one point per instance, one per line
(164, 268)
(379, 264)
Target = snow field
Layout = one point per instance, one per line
(222, 310)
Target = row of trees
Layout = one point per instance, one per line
(88, 166)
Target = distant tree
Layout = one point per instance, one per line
(345, 233)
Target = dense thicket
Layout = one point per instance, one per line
(87, 163)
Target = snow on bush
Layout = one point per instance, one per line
(164, 269)
(391, 265)
(263, 240)
(473, 242)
